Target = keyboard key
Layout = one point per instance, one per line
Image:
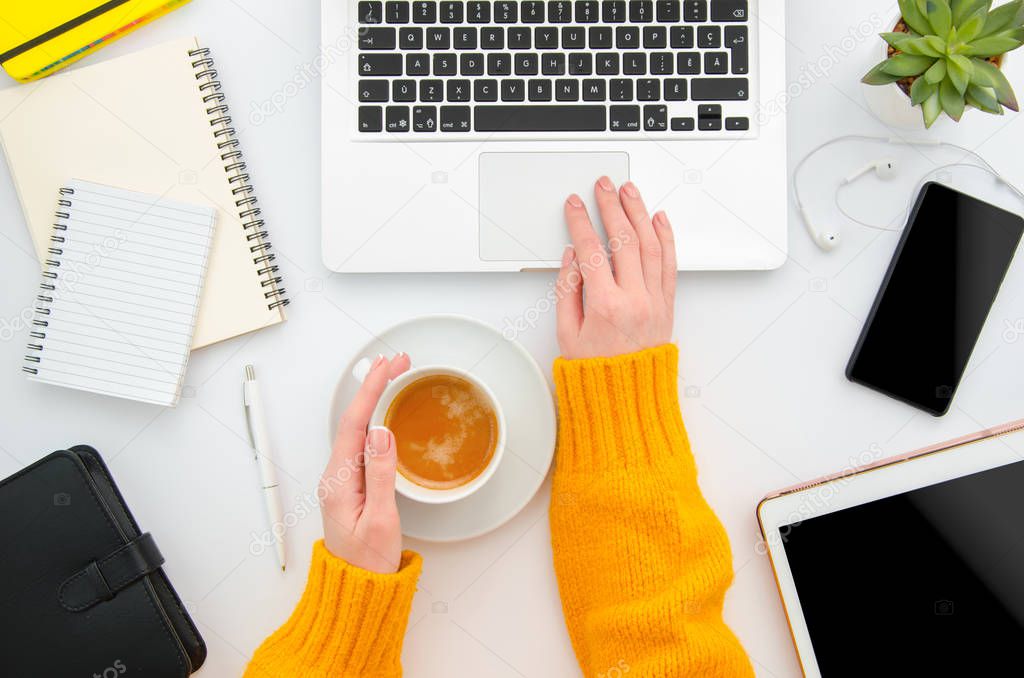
(593, 90)
(648, 89)
(545, 38)
(471, 64)
(620, 89)
(624, 118)
(573, 37)
(526, 64)
(655, 118)
(608, 63)
(688, 63)
(567, 90)
(373, 90)
(709, 117)
(661, 63)
(506, 12)
(403, 90)
(533, 11)
(478, 12)
(709, 124)
(613, 11)
(424, 118)
(737, 124)
(539, 90)
(492, 38)
(569, 118)
(380, 64)
(641, 11)
(396, 12)
(634, 63)
(627, 37)
(667, 11)
(455, 119)
(464, 38)
(675, 89)
(709, 37)
(445, 64)
(655, 36)
(600, 37)
(370, 13)
(695, 10)
(458, 90)
(485, 90)
(439, 38)
(683, 124)
(396, 119)
(513, 90)
(736, 39)
(410, 38)
(519, 38)
(370, 119)
(716, 63)
(559, 12)
(552, 64)
(499, 64)
(728, 10)
(424, 11)
(720, 89)
(581, 63)
(588, 11)
(451, 13)
(431, 90)
(417, 64)
(377, 38)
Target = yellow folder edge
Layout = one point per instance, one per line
(78, 42)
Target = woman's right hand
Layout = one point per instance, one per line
(611, 308)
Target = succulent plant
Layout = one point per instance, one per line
(948, 57)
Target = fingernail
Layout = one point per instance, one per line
(378, 361)
(401, 354)
(378, 440)
(660, 219)
(574, 200)
(630, 188)
(606, 184)
(567, 255)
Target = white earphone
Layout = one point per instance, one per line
(885, 169)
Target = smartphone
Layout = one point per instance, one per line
(936, 295)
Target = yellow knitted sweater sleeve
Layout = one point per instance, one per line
(348, 624)
(642, 562)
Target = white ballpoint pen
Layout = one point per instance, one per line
(254, 415)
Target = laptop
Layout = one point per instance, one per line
(454, 130)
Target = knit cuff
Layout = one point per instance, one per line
(349, 622)
(621, 412)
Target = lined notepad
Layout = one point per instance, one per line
(120, 292)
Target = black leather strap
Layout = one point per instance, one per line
(101, 579)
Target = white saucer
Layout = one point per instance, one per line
(519, 386)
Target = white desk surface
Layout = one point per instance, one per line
(762, 366)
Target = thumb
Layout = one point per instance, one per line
(381, 466)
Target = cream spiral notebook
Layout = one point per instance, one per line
(117, 305)
(155, 121)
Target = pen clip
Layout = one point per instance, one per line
(248, 418)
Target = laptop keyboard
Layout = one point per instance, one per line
(668, 68)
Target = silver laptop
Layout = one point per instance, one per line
(454, 130)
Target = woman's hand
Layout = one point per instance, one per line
(608, 309)
(361, 523)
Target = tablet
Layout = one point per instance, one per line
(912, 565)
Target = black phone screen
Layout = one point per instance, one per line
(932, 305)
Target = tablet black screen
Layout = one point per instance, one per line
(926, 583)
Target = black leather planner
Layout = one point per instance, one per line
(81, 589)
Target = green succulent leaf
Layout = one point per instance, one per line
(936, 73)
(935, 43)
(876, 76)
(958, 71)
(965, 8)
(905, 65)
(994, 45)
(921, 90)
(940, 16)
(914, 17)
(930, 109)
(952, 100)
(896, 39)
(1002, 18)
(983, 99)
(971, 28)
(988, 75)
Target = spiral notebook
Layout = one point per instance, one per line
(120, 292)
(156, 122)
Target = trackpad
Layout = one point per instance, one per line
(522, 197)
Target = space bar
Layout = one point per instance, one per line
(540, 118)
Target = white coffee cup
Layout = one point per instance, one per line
(427, 495)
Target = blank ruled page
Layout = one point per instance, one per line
(117, 306)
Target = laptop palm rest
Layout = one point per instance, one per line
(522, 195)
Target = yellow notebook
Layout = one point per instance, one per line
(155, 122)
(39, 38)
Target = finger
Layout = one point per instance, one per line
(399, 364)
(381, 465)
(622, 237)
(590, 253)
(650, 246)
(351, 436)
(568, 299)
(669, 267)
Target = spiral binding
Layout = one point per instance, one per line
(227, 142)
(43, 300)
